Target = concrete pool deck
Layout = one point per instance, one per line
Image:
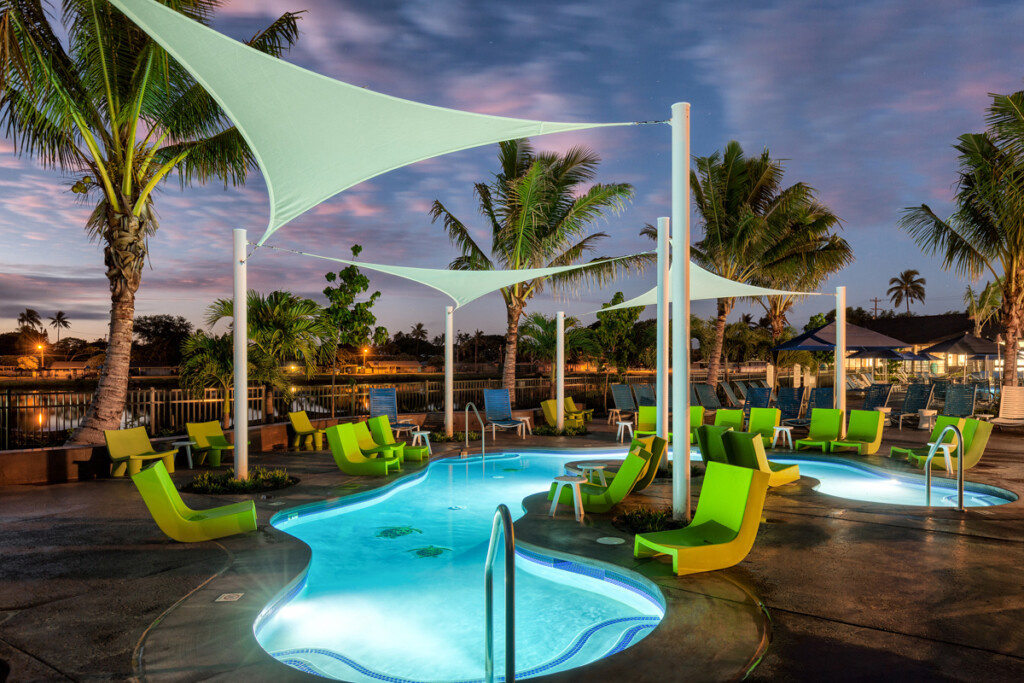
(90, 589)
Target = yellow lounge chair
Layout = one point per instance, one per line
(729, 418)
(746, 450)
(371, 449)
(976, 434)
(380, 429)
(181, 522)
(941, 422)
(341, 439)
(305, 432)
(571, 409)
(826, 426)
(596, 498)
(129, 448)
(551, 417)
(723, 528)
(209, 441)
(864, 433)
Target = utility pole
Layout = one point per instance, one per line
(875, 301)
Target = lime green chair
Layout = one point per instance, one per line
(763, 421)
(596, 498)
(130, 448)
(369, 447)
(305, 432)
(181, 522)
(647, 422)
(383, 435)
(746, 450)
(643, 442)
(976, 434)
(723, 528)
(551, 416)
(864, 433)
(344, 445)
(941, 422)
(657, 448)
(209, 441)
(826, 425)
(729, 418)
(696, 420)
(571, 409)
(709, 440)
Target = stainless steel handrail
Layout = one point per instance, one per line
(502, 522)
(483, 429)
(959, 466)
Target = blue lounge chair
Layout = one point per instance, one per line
(498, 411)
(757, 397)
(384, 401)
(821, 397)
(730, 396)
(960, 400)
(790, 402)
(625, 408)
(645, 395)
(707, 397)
(741, 389)
(918, 397)
(877, 396)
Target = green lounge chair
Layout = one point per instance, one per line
(341, 439)
(369, 447)
(643, 442)
(130, 448)
(976, 434)
(826, 425)
(746, 450)
(763, 421)
(551, 417)
(383, 435)
(709, 440)
(723, 528)
(305, 432)
(864, 433)
(941, 422)
(658, 448)
(729, 418)
(209, 441)
(571, 409)
(181, 522)
(647, 422)
(598, 498)
(696, 420)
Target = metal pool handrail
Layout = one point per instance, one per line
(483, 429)
(959, 466)
(502, 522)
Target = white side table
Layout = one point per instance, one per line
(527, 423)
(927, 420)
(946, 448)
(187, 445)
(885, 411)
(623, 426)
(588, 469)
(425, 436)
(614, 415)
(574, 482)
(787, 436)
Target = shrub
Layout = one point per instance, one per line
(643, 520)
(548, 430)
(441, 437)
(260, 479)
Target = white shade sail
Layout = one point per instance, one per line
(705, 285)
(314, 136)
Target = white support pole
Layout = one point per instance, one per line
(449, 373)
(663, 329)
(560, 372)
(840, 390)
(241, 357)
(681, 310)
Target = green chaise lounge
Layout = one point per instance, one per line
(826, 426)
(696, 420)
(551, 417)
(571, 409)
(709, 440)
(181, 522)
(729, 418)
(976, 434)
(383, 435)
(723, 528)
(596, 498)
(305, 432)
(130, 448)
(763, 421)
(647, 422)
(864, 433)
(746, 450)
(209, 441)
(341, 439)
(941, 422)
(657, 448)
(369, 447)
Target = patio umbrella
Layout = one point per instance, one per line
(967, 345)
(824, 339)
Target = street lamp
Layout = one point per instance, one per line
(366, 350)
(39, 347)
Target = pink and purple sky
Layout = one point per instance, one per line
(863, 101)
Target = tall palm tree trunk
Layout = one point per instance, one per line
(508, 375)
(1012, 327)
(715, 359)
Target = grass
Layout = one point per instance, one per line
(260, 479)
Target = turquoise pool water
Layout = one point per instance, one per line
(394, 590)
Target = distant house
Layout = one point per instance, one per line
(920, 331)
(385, 366)
(67, 369)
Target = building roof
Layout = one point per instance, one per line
(925, 330)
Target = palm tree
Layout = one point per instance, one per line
(538, 216)
(539, 337)
(986, 231)
(420, 334)
(97, 98)
(984, 305)
(30, 318)
(756, 231)
(906, 287)
(478, 337)
(58, 322)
